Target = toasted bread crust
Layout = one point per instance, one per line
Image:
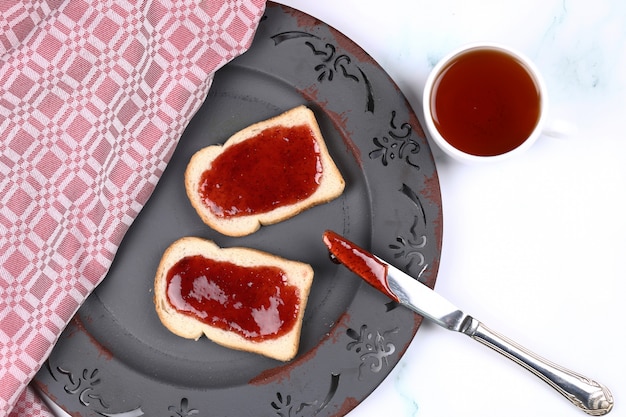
(331, 185)
(299, 274)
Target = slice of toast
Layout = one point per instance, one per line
(185, 322)
(330, 182)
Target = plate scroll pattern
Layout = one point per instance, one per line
(331, 62)
(83, 386)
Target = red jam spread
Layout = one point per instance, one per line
(255, 302)
(278, 167)
(359, 261)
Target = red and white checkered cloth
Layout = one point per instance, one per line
(95, 95)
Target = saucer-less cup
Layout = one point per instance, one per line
(484, 102)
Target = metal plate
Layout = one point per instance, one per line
(115, 357)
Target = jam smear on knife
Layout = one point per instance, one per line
(359, 261)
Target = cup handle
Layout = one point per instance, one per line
(560, 129)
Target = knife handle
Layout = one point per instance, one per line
(588, 395)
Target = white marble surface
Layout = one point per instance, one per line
(534, 246)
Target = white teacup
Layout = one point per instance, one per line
(484, 102)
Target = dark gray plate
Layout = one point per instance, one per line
(115, 358)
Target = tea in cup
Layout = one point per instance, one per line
(484, 102)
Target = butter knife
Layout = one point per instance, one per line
(585, 393)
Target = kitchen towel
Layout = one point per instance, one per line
(95, 95)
